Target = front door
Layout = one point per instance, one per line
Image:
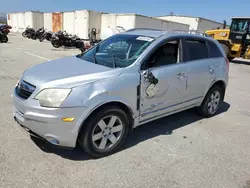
(163, 81)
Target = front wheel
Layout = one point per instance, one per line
(104, 132)
(24, 34)
(212, 102)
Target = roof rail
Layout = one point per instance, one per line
(196, 32)
(149, 29)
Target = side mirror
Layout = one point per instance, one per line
(150, 77)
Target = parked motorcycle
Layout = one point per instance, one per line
(3, 37)
(64, 39)
(5, 29)
(46, 35)
(27, 32)
(37, 34)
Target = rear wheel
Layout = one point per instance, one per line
(104, 132)
(41, 39)
(5, 39)
(211, 103)
(55, 43)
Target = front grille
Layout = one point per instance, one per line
(24, 89)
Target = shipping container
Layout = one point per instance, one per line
(19, 21)
(47, 21)
(69, 22)
(196, 23)
(85, 21)
(9, 22)
(130, 21)
(57, 21)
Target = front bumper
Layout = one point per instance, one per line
(47, 123)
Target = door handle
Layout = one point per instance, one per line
(211, 69)
(181, 75)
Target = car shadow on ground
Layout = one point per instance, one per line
(163, 126)
(240, 62)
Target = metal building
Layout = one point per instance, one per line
(196, 23)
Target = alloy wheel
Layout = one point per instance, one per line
(107, 133)
(213, 102)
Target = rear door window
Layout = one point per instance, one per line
(197, 50)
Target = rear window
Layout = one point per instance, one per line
(214, 50)
(197, 50)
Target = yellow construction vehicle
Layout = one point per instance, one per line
(236, 40)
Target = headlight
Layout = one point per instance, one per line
(52, 97)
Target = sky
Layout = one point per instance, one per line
(217, 10)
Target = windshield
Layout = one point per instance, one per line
(118, 50)
(239, 25)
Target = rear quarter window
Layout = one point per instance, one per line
(214, 50)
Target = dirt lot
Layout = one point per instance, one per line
(182, 151)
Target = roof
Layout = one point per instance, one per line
(241, 17)
(155, 33)
(191, 17)
(146, 32)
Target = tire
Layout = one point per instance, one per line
(230, 59)
(41, 39)
(55, 43)
(225, 48)
(5, 39)
(227, 51)
(205, 107)
(24, 34)
(91, 127)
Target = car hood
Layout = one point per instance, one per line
(67, 72)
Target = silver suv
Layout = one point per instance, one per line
(131, 78)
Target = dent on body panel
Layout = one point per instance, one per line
(118, 89)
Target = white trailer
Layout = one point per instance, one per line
(130, 21)
(196, 23)
(85, 20)
(19, 21)
(47, 21)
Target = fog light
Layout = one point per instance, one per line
(68, 119)
(51, 139)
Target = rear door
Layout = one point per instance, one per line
(201, 68)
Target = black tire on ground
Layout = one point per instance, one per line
(225, 48)
(227, 51)
(24, 34)
(41, 39)
(85, 135)
(230, 58)
(203, 109)
(5, 39)
(55, 43)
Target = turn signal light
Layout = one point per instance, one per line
(68, 119)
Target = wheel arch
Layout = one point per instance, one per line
(221, 84)
(128, 110)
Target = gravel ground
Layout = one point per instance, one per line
(181, 150)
